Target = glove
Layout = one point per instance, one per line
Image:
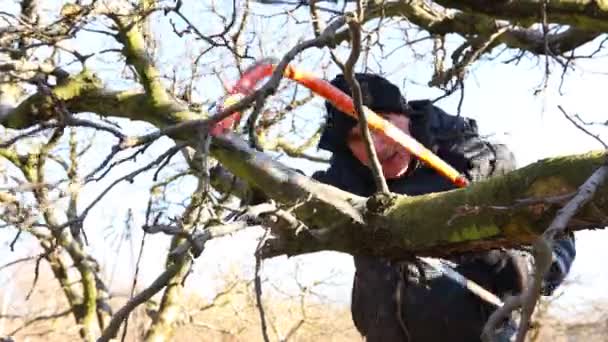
(564, 252)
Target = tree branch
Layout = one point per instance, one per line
(473, 23)
(159, 283)
(505, 211)
(135, 51)
(584, 14)
(348, 69)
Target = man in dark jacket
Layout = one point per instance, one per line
(395, 301)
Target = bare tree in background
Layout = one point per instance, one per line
(80, 82)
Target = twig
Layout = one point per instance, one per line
(74, 189)
(543, 256)
(213, 328)
(548, 52)
(40, 318)
(314, 17)
(227, 289)
(472, 286)
(590, 123)
(15, 239)
(478, 46)
(497, 317)
(251, 123)
(303, 3)
(258, 289)
(594, 136)
(203, 149)
(167, 154)
(18, 261)
(197, 242)
(72, 121)
(355, 31)
(584, 193)
(297, 151)
(43, 126)
(106, 161)
(294, 328)
(163, 228)
(36, 276)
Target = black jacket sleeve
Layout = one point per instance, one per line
(456, 140)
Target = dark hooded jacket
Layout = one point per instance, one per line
(395, 301)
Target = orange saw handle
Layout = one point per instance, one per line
(345, 104)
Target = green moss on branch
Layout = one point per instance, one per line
(84, 92)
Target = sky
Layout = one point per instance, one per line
(500, 96)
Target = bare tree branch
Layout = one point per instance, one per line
(355, 32)
(258, 291)
(579, 13)
(40, 319)
(158, 284)
(594, 136)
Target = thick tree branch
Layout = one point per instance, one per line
(131, 36)
(286, 185)
(468, 23)
(502, 212)
(84, 92)
(584, 14)
(158, 284)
